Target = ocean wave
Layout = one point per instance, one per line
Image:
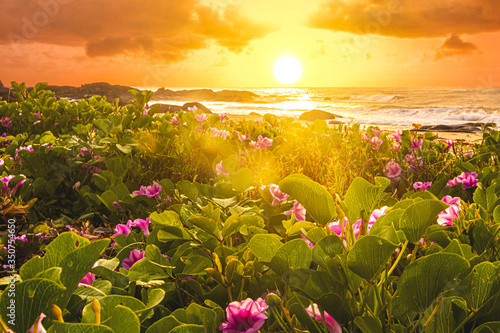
(376, 98)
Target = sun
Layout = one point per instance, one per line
(287, 70)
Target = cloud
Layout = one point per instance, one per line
(158, 29)
(455, 46)
(408, 18)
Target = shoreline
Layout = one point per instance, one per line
(469, 138)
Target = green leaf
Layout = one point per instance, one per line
(163, 325)
(337, 306)
(420, 215)
(188, 328)
(188, 189)
(361, 197)
(448, 315)
(369, 255)
(491, 327)
(54, 253)
(423, 280)
(265, 246)
(103, 124)
(78, 328)
(326, 249)
(167, 218)
(124, 320)
(312, 196)
(196, 264)
(30, 298)
(292, 255)
(234, 223)
(368, 324)
(124, 149)
(242, 180)
(480, 285)
(108, 305)
(205, 224)
(76, 265)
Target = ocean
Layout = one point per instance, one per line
(375, 106)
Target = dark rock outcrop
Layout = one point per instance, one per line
(167, 108)
(318, 114)
(205, 95)
(199, 106)
(327, 99)
(254, 114)
(6, 95)
(335, 122)
(1, 85)
(463, 128)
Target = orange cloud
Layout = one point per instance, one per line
(163, 29)
(407, 18)
(455, 46)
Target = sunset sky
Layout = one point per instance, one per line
(234, 43)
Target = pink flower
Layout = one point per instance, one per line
(396, 146)
(193, 108)
(88, 279)
(222, 116)
(201, 117)
(141, 191)
(450, 143)
(452, 182)
(451, 201)
(174, 121)
(244, 317)
(298, 211)
(76, 186)
(392, 169)
(446, 217)
(37, 122)
(40, 327)
(277, 194)
(416, 145)
(143, 224)
(135, 256)
(331, 324)
(414, 162)
(397, 136)
(122, 229)
(375, 142)
(468, 179)
(118, 206)
(220, 169)
(244, 137)
(264, 142)
(422, 186)
(375, 215)
(153, 191)
(376, 132)
(366, 137)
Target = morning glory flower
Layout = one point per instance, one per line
(331, 324)
(135, 256)
(201, 118)
(245, 317)
(397, 136)
(153, 191)
(298, 211)
(277, 194)
(220, 169)
(422, 186)
(143, 224)
(392, 169)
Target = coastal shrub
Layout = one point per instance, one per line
(127, 221)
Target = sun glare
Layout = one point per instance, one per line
(287, 70)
